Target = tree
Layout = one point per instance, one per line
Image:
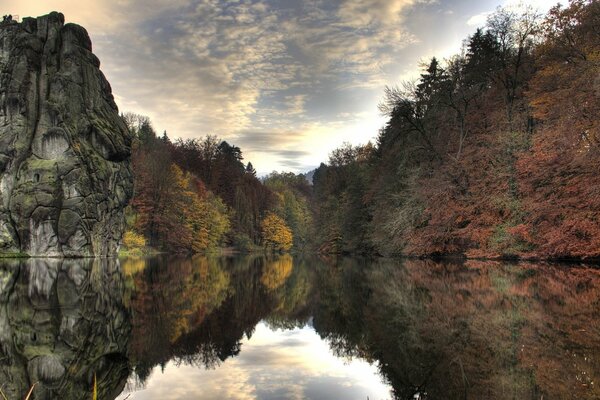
(293, 204)
(481, 58)
(460, 94)
(275, 233)
(490, 153)
(152, 187)
(515, 32)
(250, 169)
(572, 32)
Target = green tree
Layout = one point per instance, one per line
(293, 203)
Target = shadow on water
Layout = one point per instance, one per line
(436, 329)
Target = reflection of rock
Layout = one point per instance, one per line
(61, 322)
(65, 173)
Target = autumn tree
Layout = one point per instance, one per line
(341, 211)
(293, 204)
(219, 166)
(514, 31)
(560, 175)
(172, 208)
(275, 233)
(488, 153)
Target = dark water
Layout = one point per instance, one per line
(298, 328)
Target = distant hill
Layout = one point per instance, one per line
(310, 175)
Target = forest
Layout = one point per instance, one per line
(197, 195)
(490, 153)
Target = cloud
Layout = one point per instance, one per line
(264, 140)
(229, 57)
(100, 16)
(269, 75)
(479, 20)
(368, 13)
(291, 153)
(278, 147)
(245, 70)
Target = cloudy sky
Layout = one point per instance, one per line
(285, 80)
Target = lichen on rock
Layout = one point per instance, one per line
(65, 171)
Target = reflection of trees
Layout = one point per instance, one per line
(171, 297)
(294, 300)
(481, 330)
(61, 322)
(468, 331)
(275, 272)
(196, 311)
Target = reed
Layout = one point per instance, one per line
(30, 392)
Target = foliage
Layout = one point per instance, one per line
(133, 240)
(219, 166)
(195, 195)
(293, 204)
(340, 191)
(492, 152)
(276, 235)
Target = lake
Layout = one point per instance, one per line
(283, 327)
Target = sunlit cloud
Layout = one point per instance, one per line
(284, 80)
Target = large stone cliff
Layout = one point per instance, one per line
(65, 172)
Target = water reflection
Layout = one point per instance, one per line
(472, 331)
(265, 327)
(61, 323)
(196, 311)
(273, 364)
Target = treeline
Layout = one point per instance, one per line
(197, 195)
(493, 152)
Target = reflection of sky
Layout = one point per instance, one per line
(294, 364)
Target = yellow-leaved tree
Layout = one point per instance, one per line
(200, 218)
(276, 235)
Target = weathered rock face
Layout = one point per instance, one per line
(65, 173)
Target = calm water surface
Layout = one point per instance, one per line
(298, 328)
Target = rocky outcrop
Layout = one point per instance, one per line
(65, 173)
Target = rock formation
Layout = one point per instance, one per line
(65, 173)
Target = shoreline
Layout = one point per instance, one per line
(232, 252)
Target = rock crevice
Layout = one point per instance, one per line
(65, 171)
